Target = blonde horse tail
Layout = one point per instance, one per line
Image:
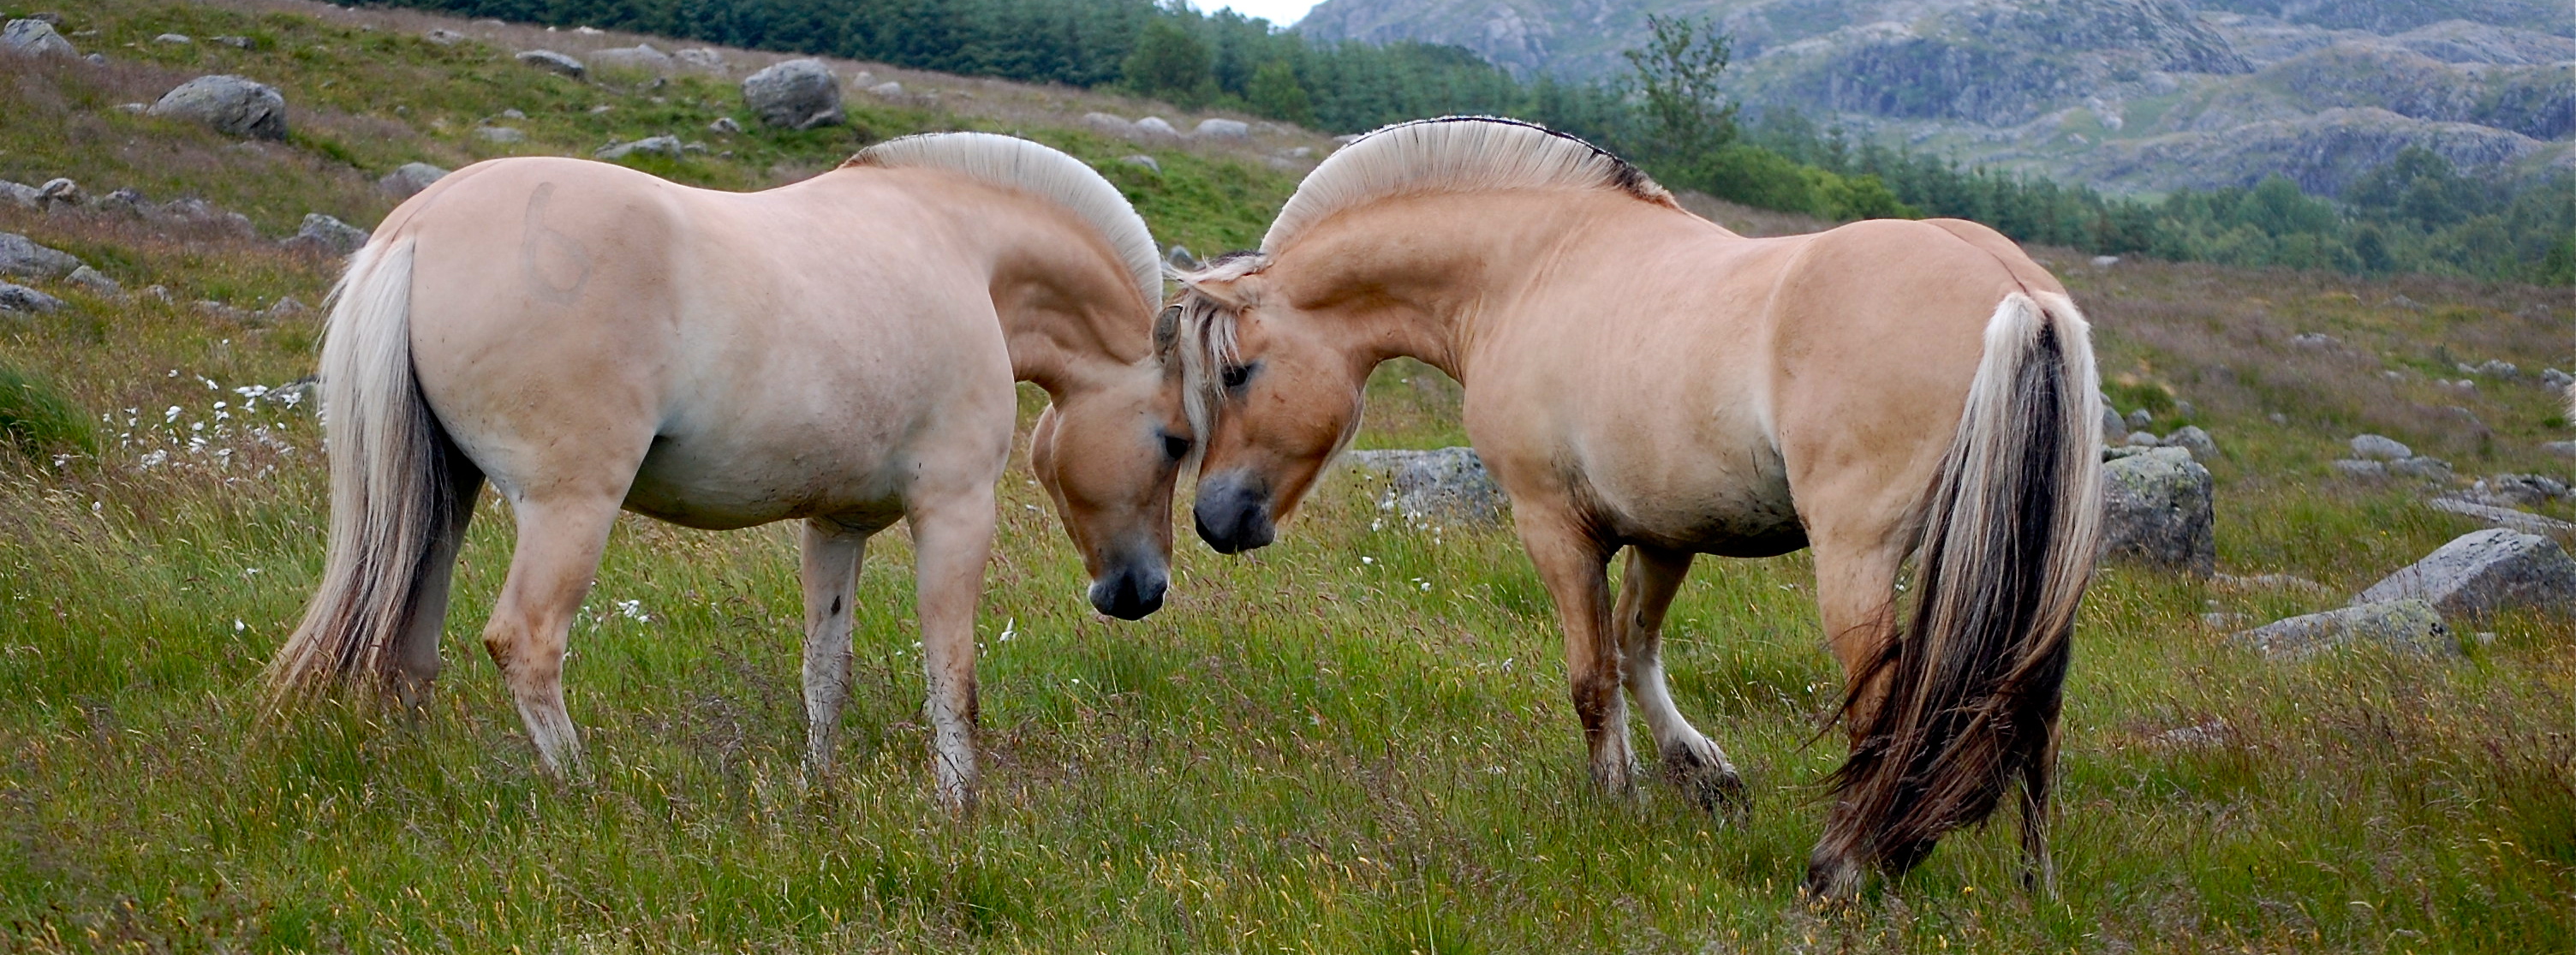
(1973, 682)
(394, 480)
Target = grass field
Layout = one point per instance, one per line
(1353, 741)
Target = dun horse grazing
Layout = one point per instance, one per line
(841, 350)
(1639, 377)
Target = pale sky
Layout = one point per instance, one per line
(1281, 12)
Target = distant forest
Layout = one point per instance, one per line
(2415, 214)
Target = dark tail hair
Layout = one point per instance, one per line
(1972, 684)
(395, 489)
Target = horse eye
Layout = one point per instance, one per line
(1236, 375)
(1175, 446)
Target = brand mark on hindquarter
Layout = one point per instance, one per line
(557, 265)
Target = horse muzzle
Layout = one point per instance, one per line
(1233, 516)
(1132, 591)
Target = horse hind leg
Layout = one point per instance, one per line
(551, 570)
(1855, 597)
(1692, 762)
(416, 661)
(830, 576)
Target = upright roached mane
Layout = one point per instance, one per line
(1452, 154)
(1029, 167)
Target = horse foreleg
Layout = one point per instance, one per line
(830, 573)
(551, 570)
(952, 537)
(1691, 760)
(1571, 565)
(1855, 596)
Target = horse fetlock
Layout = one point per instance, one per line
(1700, 770)
(1833, 880)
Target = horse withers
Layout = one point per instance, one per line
(842, 350)
(1637, 377)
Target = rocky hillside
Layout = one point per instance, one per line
(2132, 95)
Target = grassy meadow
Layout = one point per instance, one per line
(1355, 741)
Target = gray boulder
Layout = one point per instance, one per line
(500, 134)
(2141, 418)
(2515, 490)
(23, 258)
(20, 194)
(408, 179)
(724, 126)
(61, 191)
(95, 281)
(1228, 130)
(1155, 129)
(2360, 470)
(2114, 427)
(2156, 510)
(32, 37)
(2556, 380)
(2191, 438)
(796, 94)
(553, 62)
(704, 59)
(19, 298)
(2371, 447)
(2409, 625)
(1140, 159)
(2419, 466)
(1448, 484)
(443, 36)
(233, 105)
(655, 145)
(2484, 572)
(2564, 449)
(327, 236)
(641, 56)
(1110, 124)
(2504, 517)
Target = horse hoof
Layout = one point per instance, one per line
(1831, 883)
(1709, 782)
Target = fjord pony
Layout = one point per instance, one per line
(841, 350)
(1636, 376)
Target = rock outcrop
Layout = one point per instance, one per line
(232, 105)
(2157, 510)
(795, 94)
(2483, 572)
(1443, 485)
(2408, 625)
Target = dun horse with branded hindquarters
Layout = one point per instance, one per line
(841, 350)
(1638, 377)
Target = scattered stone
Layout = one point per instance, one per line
(1140, 159)
(554, 62)
(218, 310)
(2212, 733)
(1111, 124)
(2400, 301)
(2183, 408)
(500, 134)
(285, 307)
(1156, 128)
(24, 258)
(172, 38)
(2419, 466)
(443, 36)
(2463, 386)
(60, 191)
(2504, 517)
(2483, 572)
(96, 281)
(2564, 449)
(2114, 427)
(34, 37)
(658, 145)
(2142, 439)
(130, 201)
(724, 126)
(2313, 340)
(701, 58)
(236, 42)
(2216, 620)
(2361, 470)
(513, 113)
(2191, 438)
(796, 94)
(19, 298)
(1230, 130)
(2556, 380)
(327, 236)
(1297, 152)
(2157, 510)
(2515, 490)
(20, 194)
(233, 105)
(1180, 257)
(2492, 368)
(887, 90)
(2371, 447)
(1444, 484)
(2105, 261)
(2408, 626)
(641, 56)
(601, 109)
(408, 179)
(2140, 418)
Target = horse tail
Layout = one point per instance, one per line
(394, 475)
(1973, 683)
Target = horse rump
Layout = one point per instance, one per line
(1972, 682)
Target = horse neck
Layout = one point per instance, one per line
(1425, 277)
(1069, 308)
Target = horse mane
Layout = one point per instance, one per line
(1453, 154)
(1015, 163)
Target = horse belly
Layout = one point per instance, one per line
(718, 488)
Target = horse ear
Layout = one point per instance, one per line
(1167, 332)
(1234, 292)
